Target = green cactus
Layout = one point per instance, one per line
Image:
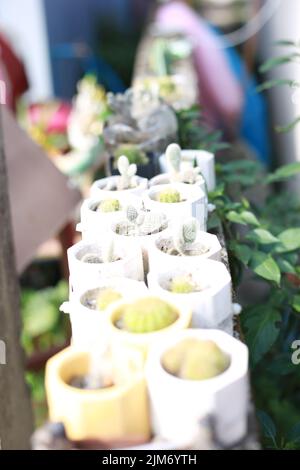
(147, 315)
(195, 359)
(169, 196)
(182, 285)
(106, 297)
(109, 205)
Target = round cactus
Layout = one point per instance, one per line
(195, 359)
(149, 314)
(169, 196)
(131, 213)
(109, 205)
(91, 258)
(106, 297)
(182, 285)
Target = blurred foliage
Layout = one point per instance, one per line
(44, 327)
(291, 57)
(265, 241)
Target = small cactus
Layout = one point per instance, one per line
(169, 196)
(109, 205)
(147, 315)
(195, 359)
(131, 213)
(173, 156)
(106, 297)
(141, 223)
(108, 249)
(127, 173)
(185, 235)
(91, 258)
(182, 285)
(152, 223)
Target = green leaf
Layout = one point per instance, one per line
(261, 236)
(40, 316)
(243, 218)
(296, 303)
(288, 127)
(289, 239)
(250, 218)
(262, 329)
(268, 426)
(284, 172)
(242, 252)
(285, 266)
(275, 61)
(276, 82)
(265, 266)
(213, 221)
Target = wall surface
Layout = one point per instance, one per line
(23, 21)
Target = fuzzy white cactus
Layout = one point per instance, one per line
(127, 173)
(108, 251)
(174, 158)
(141, 223)
(185, 235)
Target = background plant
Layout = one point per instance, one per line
(263, 240)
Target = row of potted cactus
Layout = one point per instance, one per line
(151, 311)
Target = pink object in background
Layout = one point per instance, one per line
(51, 116)
(220, 93)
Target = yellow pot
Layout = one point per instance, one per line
(115, 413)
(125, 343)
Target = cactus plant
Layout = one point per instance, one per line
(194, 359)
(169, 196)
(141, 223)
(91, 258)
(109, 205)
(147, 315)
(185, 235)
(174, 158)
(108, 252)
(106, 297)
(127, 173)
(182, 285)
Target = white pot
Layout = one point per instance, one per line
(212, 305)
(195, 204)
(97, 188)
(165, 178)
(178, 405)
(141, 242)
(88, 325)
(83, 275)
(158, 258)
(205, 160)
(94, 223)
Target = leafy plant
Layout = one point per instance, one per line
(263, 240)
(292, 57)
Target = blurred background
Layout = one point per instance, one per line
(47, 46)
